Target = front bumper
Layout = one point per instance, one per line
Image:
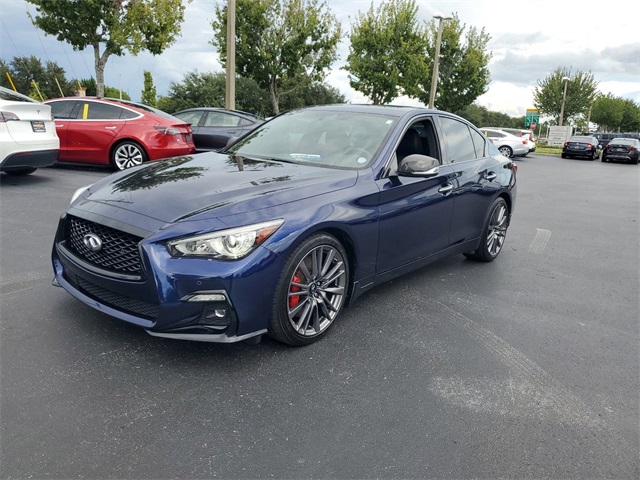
(166, 299)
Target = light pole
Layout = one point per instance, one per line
(230, 87)
(436, 60)
(564, 97)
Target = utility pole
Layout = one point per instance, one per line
(436, 60)
(230, 97)
(564, 97)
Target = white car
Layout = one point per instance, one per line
(28, 138)
(519, 132)
(508, 144)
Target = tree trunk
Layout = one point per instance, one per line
(100, 62)
(273, 95)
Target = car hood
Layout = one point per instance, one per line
(213, 185)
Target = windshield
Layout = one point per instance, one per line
(623, 141)
(326, 138)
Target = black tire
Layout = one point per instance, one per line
(19, 172)
(127, 154)
(506, 151)
(591, 156)
(493, 234)
(603, 158)
(564, 155)
(318, 269)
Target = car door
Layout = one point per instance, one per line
(415, 212)
(476, 177)
(63, 112)
(91, 134)
(217, 128)
(194, 117)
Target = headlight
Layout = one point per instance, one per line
(79, 192)
(225, 244)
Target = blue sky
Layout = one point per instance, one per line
(528, 41)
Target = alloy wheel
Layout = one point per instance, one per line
(127, 155)
(317, 290)
(497, 230)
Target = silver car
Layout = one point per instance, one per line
(509, 145)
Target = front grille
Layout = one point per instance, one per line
(119, 301)
(119, 252)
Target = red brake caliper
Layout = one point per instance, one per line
(294, 299)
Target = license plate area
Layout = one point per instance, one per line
(38, 126)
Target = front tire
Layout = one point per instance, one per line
(128, 154)
(494, 233)
(311, 291)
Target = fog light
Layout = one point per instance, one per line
(220, 313)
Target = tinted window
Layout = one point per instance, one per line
(458, 139)
(100, 111)
(63, 108)
(128, 114)
(14, 96)
(479, 143)
(245, 123)
(190, 117)
(220, 119)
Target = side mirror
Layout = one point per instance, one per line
(418, 166)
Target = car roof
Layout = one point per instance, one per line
(139, 107)
(10, 95)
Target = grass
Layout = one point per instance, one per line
(548, 150)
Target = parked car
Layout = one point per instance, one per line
(508, 144)
(279, 231)
(524, 133)
(28, 138)
(214, 127)
(118, 133)
(604, 138)
(581, 146)
(625, 149)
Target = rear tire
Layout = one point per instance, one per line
(311, 291)
(506, 151)
(128, 154)
(19, 172)
(564, 155)
(494, 233)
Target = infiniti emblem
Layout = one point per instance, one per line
(93, 242)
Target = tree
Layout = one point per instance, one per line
(90, 86)
(116, 25)
(278, 41)
(387, 52)
(149, 92)
(208, 90)
(630, 116)
(463, 73)
(308, 94)
(482, 117)
(581, 93)
(25, 70)
(607, 112)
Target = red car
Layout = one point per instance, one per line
(119, 133)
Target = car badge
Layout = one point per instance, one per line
(92, 242)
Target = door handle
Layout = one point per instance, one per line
(445, 189)
(59, 125)
(490, 176)
(110, 128)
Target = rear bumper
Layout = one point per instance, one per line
(37, 159)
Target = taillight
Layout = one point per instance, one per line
(608, 147)
(566, 143)
(167, 130)
(8, 117)
(632, 149)
(589, 145)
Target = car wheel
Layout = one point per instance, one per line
(493, 234)
(564, 155)
(311, 291)
(20, 171)
(603, 158)
(591, 156)
(127, 154)
(506, 151)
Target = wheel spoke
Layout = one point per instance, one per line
(327, 262)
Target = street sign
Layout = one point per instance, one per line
(532, 117)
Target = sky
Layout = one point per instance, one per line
(529, 40)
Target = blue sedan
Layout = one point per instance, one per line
(279, 232)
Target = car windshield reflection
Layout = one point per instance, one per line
(325, 138)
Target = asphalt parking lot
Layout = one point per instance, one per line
(527, 367)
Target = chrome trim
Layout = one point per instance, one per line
(212, 338)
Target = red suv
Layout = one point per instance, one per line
(118, 133)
